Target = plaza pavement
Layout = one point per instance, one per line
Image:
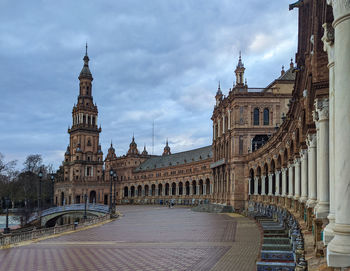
(146, 238)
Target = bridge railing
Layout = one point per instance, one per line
(73, 207)
(14, 238)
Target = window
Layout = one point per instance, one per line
(256, 116)
(241, 121)
(266, 116)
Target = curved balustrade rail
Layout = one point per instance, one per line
(14, 238)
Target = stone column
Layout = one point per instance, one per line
(328, 42)
(284, 182)
(129, 192)
(177, 189)
(339, 248)
(156, 193)
(256, 184)
(311, 202)
(297, 179)
(191, 192)
(318, 159)
(323, 150)
(197, 190)
(278, 188)
(290, 180)
(249, 186)
(229, 119)
(270, 184)
(163, 190)
(211, 188)
(204, 189)
(170, 190)
(304, 180)
(263, 180)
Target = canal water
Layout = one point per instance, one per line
(13, 222)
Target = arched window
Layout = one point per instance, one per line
(266, 116)
(256, 116)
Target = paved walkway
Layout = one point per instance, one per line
(146, 238)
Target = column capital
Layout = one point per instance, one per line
(311, 140)
(341, 8)
(270, 175)
(284, 170)
(297, 162)
(303, 153)
(328, 41)
(322, 108)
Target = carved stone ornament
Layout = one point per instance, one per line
(315, 115)
(275, 156)
(311, 140)
(340, 8)
(297, 161)
(322, 107)
(281, 151)
(268, 160)
(328, 41)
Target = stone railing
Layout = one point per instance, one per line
(17, 237)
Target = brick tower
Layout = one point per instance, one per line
(83, 164)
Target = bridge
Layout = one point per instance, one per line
(49, 216)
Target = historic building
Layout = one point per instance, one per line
(285, 145)
(304, 167)
(243, 121)
(83, 160)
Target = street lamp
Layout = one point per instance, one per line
(111, 172)
(52, 177)
(7, 229)
(40, 174)
(85, 198)
(114, 194)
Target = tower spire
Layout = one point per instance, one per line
(86, 46)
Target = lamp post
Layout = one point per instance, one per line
(7, 229)
(40, 174)
(85, 198)
(52, 177)
(111, 172)
(114, 194)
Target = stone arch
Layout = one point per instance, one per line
(266, 174)
(273, 172)
(139, 190)
(167, 189)
(146, 190)
(187, 185)
(126, 191)
(258, 174)
(160, 189)
(173, 189)
(181, 189)
(207, 186)
(201, 187)
(92, 198)
(194, 187)
(153, 189)
(251, 181)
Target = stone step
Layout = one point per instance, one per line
(277, 255)
(279, 247)
(272, 240)
(275, 266)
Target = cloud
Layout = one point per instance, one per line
(151, 61)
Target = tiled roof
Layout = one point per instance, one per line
(288, 75)
(175, 159)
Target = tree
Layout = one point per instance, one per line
(33, 163)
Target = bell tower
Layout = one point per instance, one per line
(84, 157)
(240, 72)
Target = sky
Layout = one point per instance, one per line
(154, 60)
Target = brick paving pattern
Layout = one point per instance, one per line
(146, 238)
